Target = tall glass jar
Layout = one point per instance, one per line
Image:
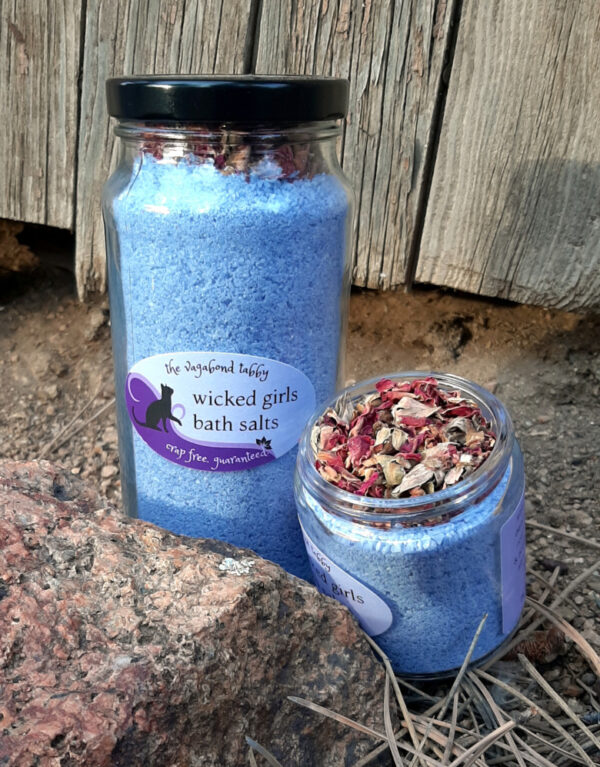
(420, 573)
(227, 227)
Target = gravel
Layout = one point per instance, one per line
(57, 377)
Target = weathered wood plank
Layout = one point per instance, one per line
(39, 63)
(140, 37)
(514, 209)
(393, 54)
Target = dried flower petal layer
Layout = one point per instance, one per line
(407, 439)
(232, 152)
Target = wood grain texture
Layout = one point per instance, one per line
(514, 209)
(140, 37)
(39, 64)
(393, 54)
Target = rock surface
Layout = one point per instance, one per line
(121, 644)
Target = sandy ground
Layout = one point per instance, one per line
(57, 393)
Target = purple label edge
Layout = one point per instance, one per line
(140, 395)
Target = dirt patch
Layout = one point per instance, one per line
(57, 395)
(56, 374)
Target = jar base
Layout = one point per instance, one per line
(490, 657)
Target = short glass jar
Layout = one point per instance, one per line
(227, 224)
(420, 573)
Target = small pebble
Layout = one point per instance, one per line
(59, 367)
(108, 471)
(551, 564)
(110, 435)
(95, 321)
(555, 517)
(572, 691)
(51, 391)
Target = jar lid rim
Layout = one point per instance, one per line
(486, 475)
(228, 98)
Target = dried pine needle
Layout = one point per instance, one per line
(498, 714)
(569, 588)
(472, 753)
(444, 730)
(389, 728)
(451, 734)
(463, 668)
(584, 541)
(541, 711)
(263, 752)
(535, 674)
(338, 717)
(399, 697)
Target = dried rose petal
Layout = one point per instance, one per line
(359, 448)
(393, 469)
(411, 420)
(440, 456)
(384, 435)
(405, 439)
(411, 407)
(454, 475)
(399, 437)
(364, 487)
(460, 410)
(284, 157)
(475, 438)
(331, 459)
(330, 437)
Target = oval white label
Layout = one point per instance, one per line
(218, 412)
(368, 608)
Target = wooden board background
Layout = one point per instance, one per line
(39, 65)
(514, 209)
(392, 53)
(487, 185)
(136, 37)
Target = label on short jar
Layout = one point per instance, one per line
(512, 559)
(368, 608)
(218, 412)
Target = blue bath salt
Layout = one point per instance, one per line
(224, 263)
(438, 581)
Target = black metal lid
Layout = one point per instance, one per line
(235, 99)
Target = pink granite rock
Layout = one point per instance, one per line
(122, 644)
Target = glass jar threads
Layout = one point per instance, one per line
(227, 227)
(422, 567)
